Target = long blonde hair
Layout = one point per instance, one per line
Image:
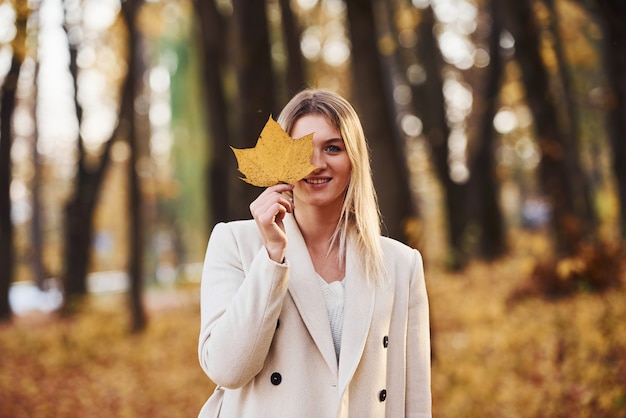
(360, 216)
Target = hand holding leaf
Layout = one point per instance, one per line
(276, 157)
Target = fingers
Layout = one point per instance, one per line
(271, 213)
(272, 203)
(269, 210)
(270, 207)
(281, 187)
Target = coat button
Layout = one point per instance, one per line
(276, 378)
(382, 395)
(385, 341)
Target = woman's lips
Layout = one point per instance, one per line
(317, 181)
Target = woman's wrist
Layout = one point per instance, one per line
(276, 254)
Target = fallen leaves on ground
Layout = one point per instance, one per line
(532, 359)
(90, 366)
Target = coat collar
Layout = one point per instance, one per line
(357, 317)
(307, 295)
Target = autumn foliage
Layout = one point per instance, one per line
(594, 268)
(534, 358)
(276, 157)
(91, 366)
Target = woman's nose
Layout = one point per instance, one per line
(318, 160)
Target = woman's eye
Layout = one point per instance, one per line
(333, 148)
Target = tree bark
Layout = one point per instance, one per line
(570, 129)
(393, 72)
(37, 244)
(296, 79)
(7, 256)
(483, 182)
(80, 207)
(387, 152)
(79, 210)
(130, 9)
(430, 105)
(613, 15)
(554, 173)
(220, 167)
(7, 108)
(255, 91)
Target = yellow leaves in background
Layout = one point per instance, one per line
(22, 12)
(90, 366)
(531, 358)
(276, 157)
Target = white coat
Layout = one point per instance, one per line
(265, 338)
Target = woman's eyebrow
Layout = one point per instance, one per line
(331, 140)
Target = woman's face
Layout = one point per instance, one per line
(326, 186)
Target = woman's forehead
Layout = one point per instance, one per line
(314, 123)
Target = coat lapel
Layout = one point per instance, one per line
(358, 312)
(307, 294)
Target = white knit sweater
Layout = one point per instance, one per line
(333, 296)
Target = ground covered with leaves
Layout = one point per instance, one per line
(534, 357)
(91, 366)
(493, 356)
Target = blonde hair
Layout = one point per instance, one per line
(360, 216)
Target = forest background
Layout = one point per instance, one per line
(497, 133)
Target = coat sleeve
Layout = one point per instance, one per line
(419, 398)
(239, 307)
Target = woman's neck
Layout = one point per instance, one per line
(317, 226)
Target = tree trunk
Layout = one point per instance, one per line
(79, 209)
(7, 108)
(256, 91)
(394, 75)
(569, 123)
(296, 79)
(130, 9)
(388, 157)
(38, 268)
(554, 173)
(7, 256)
(221, 166)
(430, 105)
(613, 15)
(483, 183)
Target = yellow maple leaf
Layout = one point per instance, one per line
(276, 157)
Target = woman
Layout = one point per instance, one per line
(306, 310)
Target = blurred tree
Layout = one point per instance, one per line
(255, 84)
(296, 79)
(79, 209)
(483, 193)
(7, 107)
(130, 10)
(394, 69)
(190, 193)
(394, 72)
(557, 152)
(568, 119)
(37, 245)
(7, 256)
(378, 118)
(430, 105)
(213, 35)
(613, 18)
